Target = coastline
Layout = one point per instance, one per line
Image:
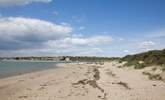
(11, 68)
(82, 81)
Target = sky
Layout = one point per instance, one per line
(109, 28)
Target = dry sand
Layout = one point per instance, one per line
(82, 82)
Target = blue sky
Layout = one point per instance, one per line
(81, 27)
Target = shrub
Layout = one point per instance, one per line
(155, 57)
(153, 76)
(139, 66)
(120, 61)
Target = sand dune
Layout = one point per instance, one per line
(82, 82)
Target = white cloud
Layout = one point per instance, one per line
(55, 13)
(81, 27)
(147, 43)
(91, 52)
(98, 50)
(19, 26)
(126, 51)
(77, 35)
(29, 36)
(20, 2)
(120, 39)
(77, 51)
(79, 18)
(81, 41)
(30, 30)
(65, 24)
(77, 45)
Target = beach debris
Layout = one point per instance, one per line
(24, 96)
(153, 76)
(123, 84)
(93, 82)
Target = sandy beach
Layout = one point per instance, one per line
(83, 82)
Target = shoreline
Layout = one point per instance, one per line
(83, 81)
(31, 72)
(37, 66)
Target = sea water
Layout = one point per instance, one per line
(13, 67)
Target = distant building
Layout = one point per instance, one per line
(67, 59)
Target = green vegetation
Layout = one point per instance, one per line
(91, 59)
(64, 58)
(154, 57)
(136, 64)
(153, 76)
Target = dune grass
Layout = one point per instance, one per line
(142, 60)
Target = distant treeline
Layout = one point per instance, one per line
(66, 58)
(154, 57)
(38, 58)
(88, 59)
